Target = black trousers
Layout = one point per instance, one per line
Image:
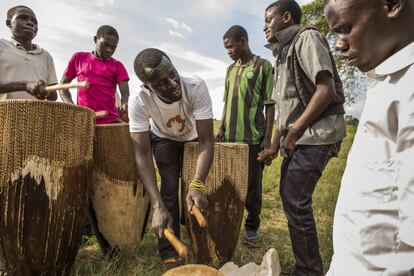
(168, 155)
(299, 176)
(254, 190)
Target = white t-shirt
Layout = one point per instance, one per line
(175, 121)
(373, 231)
(17, 64)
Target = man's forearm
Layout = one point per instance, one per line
(146, 170)
(270, 119)
(145, 167)
(64, 93)
(12, 86)
(323, 96)
(204, 160)
(124, 91)
(66, 96)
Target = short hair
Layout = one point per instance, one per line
(236, 32)
(149, 57)
(288, 6)
(106, 30)
(13, 10)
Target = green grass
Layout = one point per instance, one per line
(273, 228)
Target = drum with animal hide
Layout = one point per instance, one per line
(226, 193)
(120, 206)
(46, 156)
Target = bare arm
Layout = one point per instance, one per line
(34, 88)
(204, 160)
(270, 118)
(13, 86)
(206, 151)
(323, 96)
(124, 90)
(123, 109)
(220, 131)
(145, 165)
(267, 155)
(65, 94)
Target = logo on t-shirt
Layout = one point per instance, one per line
(176, 119)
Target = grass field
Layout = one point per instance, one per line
(274, 229)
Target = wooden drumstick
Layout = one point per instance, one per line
(199, 216)
(101, 113)
(52, 88)
(176, 243)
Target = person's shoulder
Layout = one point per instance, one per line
(310, 34)
(141, 97)
(80, 55)
(263, 61)
(46, 53)
(191, 80)
(231, 66)
(5, 41)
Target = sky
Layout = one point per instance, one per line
(189, 31)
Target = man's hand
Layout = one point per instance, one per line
(267, 155)
(161, 219)
(123, 112)
(291, 138)
(37, 89)
(220, 135)
(266, 143)
(198, 198)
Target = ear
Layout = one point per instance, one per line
(8, 23)
(243, 40)
(287, 17)
(95, 38)
(393, 7)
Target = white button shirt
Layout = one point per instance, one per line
(374, 217)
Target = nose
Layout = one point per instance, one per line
(172, 83)
(341, 45)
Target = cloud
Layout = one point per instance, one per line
(181, 26)
(207, 8)
(177, 34)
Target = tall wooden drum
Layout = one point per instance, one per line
(226, 194)
(120, 206)
(46, 156)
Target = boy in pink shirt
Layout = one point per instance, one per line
(103, 73)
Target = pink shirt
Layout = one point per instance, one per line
(103, 76)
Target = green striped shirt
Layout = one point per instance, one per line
(248, 87)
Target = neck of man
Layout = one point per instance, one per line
(406, 35)
(27, 44)
(248, 56)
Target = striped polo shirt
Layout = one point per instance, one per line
(248, 87)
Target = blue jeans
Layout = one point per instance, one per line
(299, 176)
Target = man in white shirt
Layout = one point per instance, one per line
(25, 68)
(169, 110)
(374, 218)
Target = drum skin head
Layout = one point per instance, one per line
(193, 270)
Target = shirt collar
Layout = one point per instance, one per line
(398, 61)
(251, 62)
(284, 37)
(17, 44)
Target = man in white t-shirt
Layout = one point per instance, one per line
(169, 110)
